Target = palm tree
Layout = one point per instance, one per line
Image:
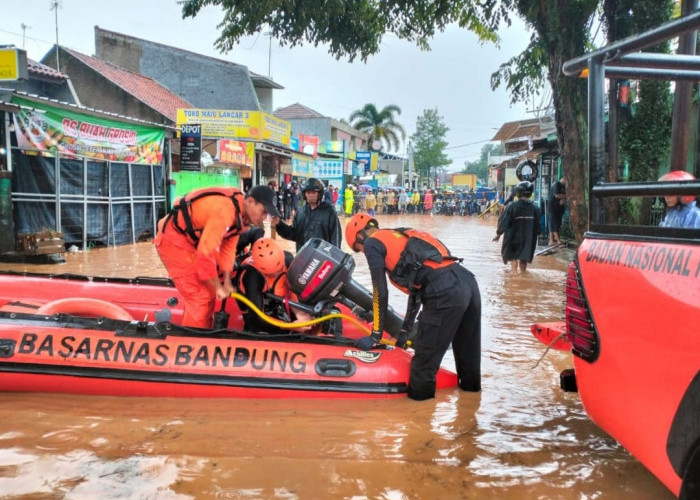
(380, 125)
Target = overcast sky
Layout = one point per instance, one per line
(453, 77)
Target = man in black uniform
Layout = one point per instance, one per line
(420, 265)
(316, 219)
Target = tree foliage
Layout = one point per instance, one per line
(480, 167)
(429, 143)
(380, 125)
(349, 27)
(560, 32)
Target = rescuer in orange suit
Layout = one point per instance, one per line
(197, 240)
(265, 272)
(417, 263)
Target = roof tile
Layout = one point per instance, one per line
(145, 89)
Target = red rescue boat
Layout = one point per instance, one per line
(111, 336)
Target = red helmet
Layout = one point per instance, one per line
(268, 256)
(355, 225)
(679, 175)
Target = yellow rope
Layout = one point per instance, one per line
(297, 324)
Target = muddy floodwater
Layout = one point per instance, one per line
(521, 438)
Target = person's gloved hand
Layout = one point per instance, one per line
(402, 339)
(367, 343)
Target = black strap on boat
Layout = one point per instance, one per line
(189, 229)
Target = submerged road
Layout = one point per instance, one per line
(521, 438)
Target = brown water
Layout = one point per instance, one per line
(521, 438)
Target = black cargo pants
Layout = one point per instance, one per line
(451, 313)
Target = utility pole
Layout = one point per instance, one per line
(269, 55)
(24, 33)
(409, 150)
(54, 6)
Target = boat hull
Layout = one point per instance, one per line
(68, 353)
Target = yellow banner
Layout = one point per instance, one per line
(237, 124)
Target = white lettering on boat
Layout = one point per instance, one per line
(364, 356)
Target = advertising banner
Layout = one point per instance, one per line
(328, 169)
(43, 127)
(237, 152)
(190, 147)
(301, 165)
(237, 124)
(369, 160)
(308, 144)
(335, 146)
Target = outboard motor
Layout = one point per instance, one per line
(322, 272)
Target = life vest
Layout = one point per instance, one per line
(181, 213)
(410, 253)
(275, 285)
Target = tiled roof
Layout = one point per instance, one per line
(296, 111)
(145, 89)
(38, 69)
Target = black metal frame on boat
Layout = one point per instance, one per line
(618, 60)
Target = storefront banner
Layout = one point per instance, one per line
(301, 165)
(335, 146)
(46, 128)
(237, 124)
(237, 152)
(328, 169)
(274, 129)
(308, 144)
(369, 159)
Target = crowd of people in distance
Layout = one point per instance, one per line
(390, 200)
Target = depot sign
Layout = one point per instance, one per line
(13, 65)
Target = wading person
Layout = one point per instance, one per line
(421, 266)
(316, 219)
(555, 210)
(197, 240)
(520, 223)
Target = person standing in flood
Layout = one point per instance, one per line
(555, 210)
(316, 219)
(520, 222)
(447, 294)
(198, 239)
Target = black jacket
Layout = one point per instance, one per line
(321, 223)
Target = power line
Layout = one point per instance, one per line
(469, 144)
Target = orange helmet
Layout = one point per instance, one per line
(679, 175)
(356, 225)
(268, 256)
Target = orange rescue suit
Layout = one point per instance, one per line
(194, 253)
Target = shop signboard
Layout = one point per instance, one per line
(13, 64)
(237, 124)
(328, 169)
(43, 127)
(190, 146)
(301, 165)
(369, 160)
(236, 152)
(308, 144)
